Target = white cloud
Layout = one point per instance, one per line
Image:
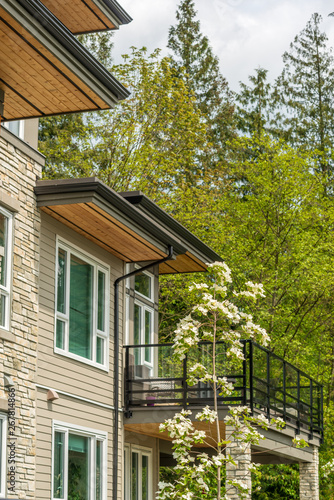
(244, 34)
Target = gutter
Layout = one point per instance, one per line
(145, 205)
(118, 10)
(116, 359)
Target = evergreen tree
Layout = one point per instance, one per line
(255, 104)
(306, 89)
(193, 58)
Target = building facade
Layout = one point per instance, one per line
(82, 388)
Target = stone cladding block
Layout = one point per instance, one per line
(18, 173)
(240, 472)
(309, 478)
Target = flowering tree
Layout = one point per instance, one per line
(215, 318)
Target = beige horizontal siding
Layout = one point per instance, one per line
(54, 370)
(71, 412)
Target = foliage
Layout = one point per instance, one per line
(150, 141)
(274, 482)
(256, 105)
(306, 92)
(278, 232)
(64, 139)
(100, 46)
(194, 61)
(213, 318)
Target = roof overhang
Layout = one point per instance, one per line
(108, 219)
(196, 249)
(44, 70)
(87, 16)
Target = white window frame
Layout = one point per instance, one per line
(127, 319)
(3, 449)
(20, 134)
(94, 435)
(142, 342)
(98, 266)
(138, 294)
(5, 290)
(141, 450)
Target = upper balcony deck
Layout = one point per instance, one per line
(264, 382)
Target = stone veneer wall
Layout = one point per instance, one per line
(19, 166)
(239, 472)
(309, 478)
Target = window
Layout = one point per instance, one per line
(79, 463)
(16, 127)
(81, 307)
(3, 436)
(6, 224)
(137, 473)
(144, 285)
(143, 319)
(143, 333)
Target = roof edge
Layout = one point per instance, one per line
(63, 36)
(93, 184)
(139, 198)
(118, 10)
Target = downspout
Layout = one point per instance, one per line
(116, 358)
(2, 102)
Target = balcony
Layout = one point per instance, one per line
(264, 382)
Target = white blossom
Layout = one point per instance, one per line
(207, 414)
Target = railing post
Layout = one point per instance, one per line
(244, 375)
(321, 420)
(298, 401)
(127, 413)
(311, 409)
(284, 391)
(184, 382)
(251, 402)
(268, 386)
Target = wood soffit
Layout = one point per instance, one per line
(84, 16)
(152, 429)
(106, 231)
(121, 230)
(41, 77)
(79, 16)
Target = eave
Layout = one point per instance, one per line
(100, 214)
(196, 249)
(89, 15)
(44, 70)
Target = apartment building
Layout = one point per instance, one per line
(84, 382)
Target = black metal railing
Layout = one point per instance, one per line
(263, 381)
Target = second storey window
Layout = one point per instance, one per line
(143, 318)
(5, 266)
(81, 310)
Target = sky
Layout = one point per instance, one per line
(244, 34)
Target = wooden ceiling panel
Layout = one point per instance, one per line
(132, 233)
(14, 102)
(25, 68)
(79, 16)
(106, 232)
(31, 73)
(152, 429)
(53, 71)
(185, 263)
(78, 230)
